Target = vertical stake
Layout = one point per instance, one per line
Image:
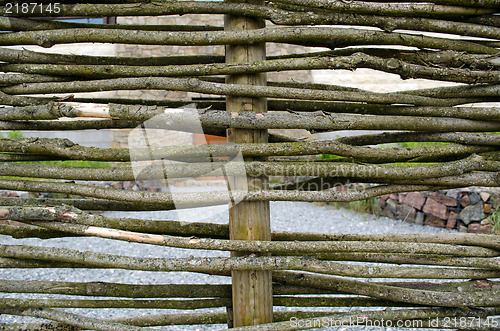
(252, 290)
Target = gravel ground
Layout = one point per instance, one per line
(285, 216)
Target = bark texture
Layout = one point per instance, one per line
(443, 137)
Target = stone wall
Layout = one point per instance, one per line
(466, 210)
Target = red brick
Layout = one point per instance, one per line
(434, 221)
(446, 200)
(414, 199)
(388, 213)
(465, 200)
(391, 205)
(432, 207)
(382, 203)
(486, 228)
(117, 185)
(474, 227)
(452, 220)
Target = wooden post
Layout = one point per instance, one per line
(252, 290)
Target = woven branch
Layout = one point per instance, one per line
(66, 149)
(308, 36)
(357, 60)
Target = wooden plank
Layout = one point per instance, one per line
(252, 290)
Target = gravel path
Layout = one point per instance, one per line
(285, 216)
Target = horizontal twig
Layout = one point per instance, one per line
(275, 247)
(166, 119)
(201, 199)
(465, 3)
(85, 204)
(106, 289)
(66, 149)
(358, 60)
(216, 121)
(28, 56)
(73, 319)
(281, 16)
(425, 57)
(421, 259)
(15, 100)
(452, 137)
(168, 8)
(399, 294)
(197, 229)
(371, 318)
(18, 78)
(477, 113)
(313, 36)
(253, 168)
(8, 303)
(290, 301)
(16, 231)
(17, 24)
(32, 264)
(141, 320)
(225, 265)
(388, 9)
(471, 91)
(164, 319)
(477, 178)
(196, 85)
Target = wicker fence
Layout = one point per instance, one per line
(447, 40)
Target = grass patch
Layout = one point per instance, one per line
(12, 135)
(76, 163)
(368, 206)
(495, 216)
(69, 163)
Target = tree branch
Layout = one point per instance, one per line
(73, 319)
(389, 9)
(17, 24)
(196, 85)
(277, 247)
(372, 318)
(357, 60)
(66, 149)
(27, 56)
(223, 265)
(8, 303)
(389, 173)
(452, 137)
(414, 296)
(311, 36)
